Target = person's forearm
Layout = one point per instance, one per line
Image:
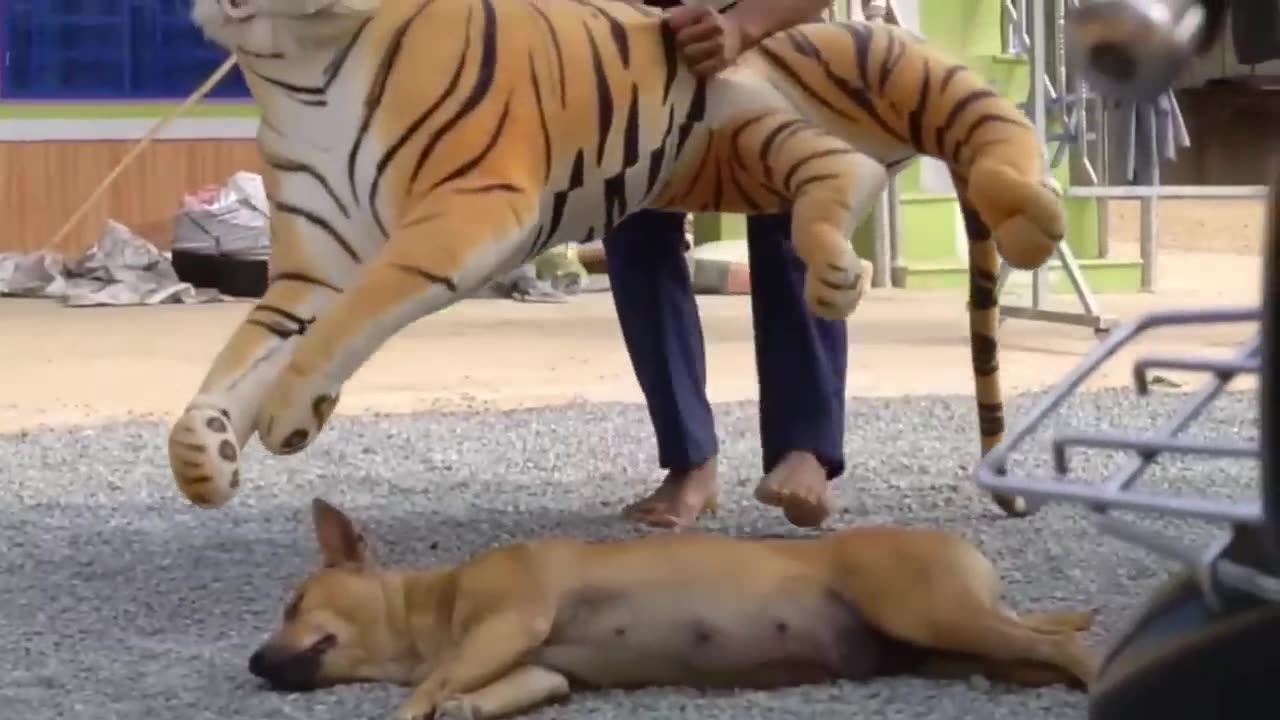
(761, 18)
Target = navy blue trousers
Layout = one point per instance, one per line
(800, 359)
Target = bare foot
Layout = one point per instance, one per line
(798, 484)
(680, 500)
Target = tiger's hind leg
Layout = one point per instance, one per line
(206, 441)
(775, 161)
(446, 248)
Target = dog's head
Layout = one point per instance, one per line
(344, 623)
(277, 29)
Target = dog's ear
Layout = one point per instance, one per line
(341, 543)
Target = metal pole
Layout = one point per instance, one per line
(880, 253)
(897, 271)
(1148, 224)
(1039, 283)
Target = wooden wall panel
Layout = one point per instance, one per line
(42, 184)
(1235, 134)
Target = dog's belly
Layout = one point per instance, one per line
(709, 636)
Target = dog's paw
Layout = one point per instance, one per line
(413, 713)
(456, 709)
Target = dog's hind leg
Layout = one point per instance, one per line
(938, 592)
(1026, 674)
(524, 688)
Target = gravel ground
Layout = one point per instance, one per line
(121, 601)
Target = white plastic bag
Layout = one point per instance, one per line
(231, 219)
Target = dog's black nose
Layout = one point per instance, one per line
(285, 670)
(257, 664)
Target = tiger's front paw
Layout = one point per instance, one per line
(295, 411)
(833, 289)
(204, 456)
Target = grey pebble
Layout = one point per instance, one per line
(119, 600)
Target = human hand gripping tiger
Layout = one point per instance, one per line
(417, 148)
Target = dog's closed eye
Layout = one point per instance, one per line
(324, 644)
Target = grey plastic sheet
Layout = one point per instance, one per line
(120, 269)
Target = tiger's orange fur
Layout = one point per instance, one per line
(420, 147)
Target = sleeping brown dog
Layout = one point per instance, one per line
(516, 626)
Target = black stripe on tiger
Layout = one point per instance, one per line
(616, 30)
(983, 352)
(696, 112)
(288, 165)
(302, 278)
(556, 50)
(915, 118)
(558, 202)
(403, 139)
(324, 225)
(334, 68)
(658, 155)
(604, 96)
(242, 50)
(766, 147)
(466, 167)
(981, 122)
(794, 76)
(991, 418)
(377, 91)
(486, 71)
(982, 282)
(313, 95)
(615, 187)
(893, 55)
(428, 276)
(294, 325)
(310, 95)
(800, 164)
(542, 119)
(669, 57)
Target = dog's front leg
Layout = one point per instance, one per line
(524, 688)
(487, 651)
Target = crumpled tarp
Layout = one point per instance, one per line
(121, 269)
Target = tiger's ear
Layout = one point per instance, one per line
(341, 543)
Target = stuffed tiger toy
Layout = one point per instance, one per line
(418, 148)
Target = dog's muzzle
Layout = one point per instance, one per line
(288, 669)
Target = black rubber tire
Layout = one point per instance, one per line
(1181, 661)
